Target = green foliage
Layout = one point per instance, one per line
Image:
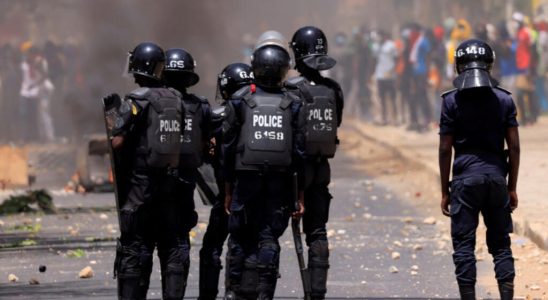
(27, 242)
(22, 203)
(77, 253)
(32, 228)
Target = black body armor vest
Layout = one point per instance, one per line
(266, 140)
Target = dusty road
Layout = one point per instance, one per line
(381, 245)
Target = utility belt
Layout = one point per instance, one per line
(264, 168)
(316, 159)
(503, 154)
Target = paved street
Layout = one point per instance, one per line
(368, 223)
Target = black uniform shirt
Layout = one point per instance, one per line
(478, 118)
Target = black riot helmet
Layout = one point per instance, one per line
(473, 62)
(309, 45)
(270, 64)
(232, 78)
(180, 67)
(147, 59)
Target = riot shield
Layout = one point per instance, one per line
(118, 161)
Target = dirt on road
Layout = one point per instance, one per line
(412, 182)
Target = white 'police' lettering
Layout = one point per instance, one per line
(267, 121)
(169, 126)
(316, 114)
(188, 124)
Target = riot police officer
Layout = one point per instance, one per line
(232, 78)
(259, 158)
(179, 74)
(320, 116)
(476, 119)
(148, 131)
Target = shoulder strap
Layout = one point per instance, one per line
(293, 82)
(139, 93)
(286, 102)
(448, 92)
(504, 90)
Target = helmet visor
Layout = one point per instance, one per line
(319, 62)
(125, 71)
(218, 95)
(474, 78)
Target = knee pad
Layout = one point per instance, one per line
(131, 260)
(318, 252)
(133, 267)
(269, 253)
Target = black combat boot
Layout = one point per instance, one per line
(467, 292)
(506, 290)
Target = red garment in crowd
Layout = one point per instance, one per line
(523, 51)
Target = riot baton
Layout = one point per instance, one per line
(296, 229)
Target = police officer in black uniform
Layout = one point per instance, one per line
(232, 78)
(477, 118)
(148, 131)
(259, 155)
(179, 74)
(320, 116)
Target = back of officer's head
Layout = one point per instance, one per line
(270, 64)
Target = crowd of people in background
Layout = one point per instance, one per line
(390, 77)
(36, 82)
(397, 79)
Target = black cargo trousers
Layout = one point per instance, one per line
(259, 216)
(487, 194)
(317, 200)
(154, 214)
(212, 244)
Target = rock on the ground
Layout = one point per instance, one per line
(396, 255)
(408, 220)
(429, 221)
(86, 272)
(13, 278)
(417, 247)
(34, 281)
(534, 287)
(393, 269)
(414, 268)
(103, 216)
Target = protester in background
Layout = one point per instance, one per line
(542, 66)
(36, 90)
(385, 75)
(524, 88)
(438, 59)
(419, 96)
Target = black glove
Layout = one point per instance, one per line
(111, 101)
